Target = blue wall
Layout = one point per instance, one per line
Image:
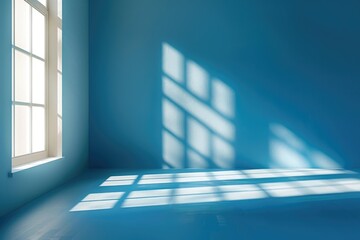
(293, 67)
(28, 184)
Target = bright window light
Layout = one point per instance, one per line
(98, 201)
(198, 113)
(36, 132)
(194, 187)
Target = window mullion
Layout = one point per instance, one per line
(28, 53)
(13, 80)
(38, 6)
(31, 80)
(29, 104)
(59, 23)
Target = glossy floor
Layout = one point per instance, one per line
(195, 204)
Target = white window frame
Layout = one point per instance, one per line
(53, 94)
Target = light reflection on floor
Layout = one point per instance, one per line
(161, 189)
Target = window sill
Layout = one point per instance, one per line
(33, 164)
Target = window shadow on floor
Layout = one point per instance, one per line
(246, 188)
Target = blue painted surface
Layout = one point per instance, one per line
(29, 184)
(293, 67)
(327, 215)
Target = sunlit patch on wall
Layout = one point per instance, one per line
(196, 160)
(198, 137)
(288, 151)
(223, 98)
(173, 63)
(286, 156)
(323, 161)
(287, 136)
(199, 110)
(173, 118)
(197, 80)
(223, 153)
(173, 150)
(198, 115)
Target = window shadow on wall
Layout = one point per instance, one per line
(198, 112)
(199, 124)
(287, 150)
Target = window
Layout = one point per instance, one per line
(37, 78)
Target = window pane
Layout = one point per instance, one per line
(22, 77)
(38, 81)
(12, 75)
(12, 22)
(59, 94)
(22, 25)
(59, 135)
(38, 129)
(43, 2)
(38, 35)
(60, 9)
(59, 50)
(12, 132)
(22, 130)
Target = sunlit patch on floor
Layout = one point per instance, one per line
(217, 186)
(98, 201)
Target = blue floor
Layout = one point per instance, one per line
(195, 204)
